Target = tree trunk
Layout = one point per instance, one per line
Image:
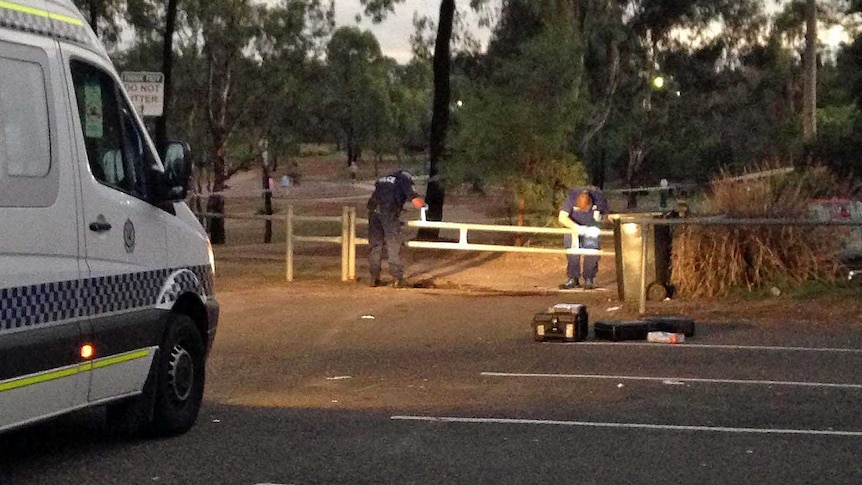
(267, 204)
(809, 96)
(215, 205)
(598, 167)
(217, 99)
(94, 16)
(435, 193)
(350, 147)
(167, 69)
(636, 157)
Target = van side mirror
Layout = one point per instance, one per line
(177, 161)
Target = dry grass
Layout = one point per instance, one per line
(716, 260)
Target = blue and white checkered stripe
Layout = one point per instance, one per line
(38, 304)
(48, 303)
(179, 282)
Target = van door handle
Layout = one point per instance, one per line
(101, 225)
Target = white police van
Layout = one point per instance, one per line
(106, 277)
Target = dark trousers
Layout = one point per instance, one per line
(573, 261)
(384, 229)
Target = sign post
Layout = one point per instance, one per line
(146, 91)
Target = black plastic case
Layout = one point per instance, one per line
(623, 330)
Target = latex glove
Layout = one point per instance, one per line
(592, 231)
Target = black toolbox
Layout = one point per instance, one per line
(623, 330)
(564, 321)
(673, 324)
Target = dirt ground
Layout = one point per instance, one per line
(325, 188)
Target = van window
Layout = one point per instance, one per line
(116, 150)
(25, 143)
(29, 168)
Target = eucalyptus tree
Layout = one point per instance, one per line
(850, 61)
(358, 80)
(156, 21)
(229, 41)
(435, 193)
(654, 28)
(809, 97)
(519, 118)
(797, 24)
(104, 17)
(288, 71)
(411, 100)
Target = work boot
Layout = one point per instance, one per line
(570, 285)
(589, 284)
(401, 283)
(375, 282)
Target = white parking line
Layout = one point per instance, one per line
(730, 347)
(663, 427)
(675, 379)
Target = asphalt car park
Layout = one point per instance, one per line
(416, 386)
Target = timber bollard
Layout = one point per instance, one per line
(289, 242)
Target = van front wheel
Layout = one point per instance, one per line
(180, 382)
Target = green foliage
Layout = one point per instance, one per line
(839, 140)
(838, 289)
(518, 120)
(410, 93)
(315, 150)
(104, 16)
(358, 84)
(544, 190)
(557, 83)
(524, 115)
(379, 9)
(850, 68)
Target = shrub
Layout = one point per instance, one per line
(542, 190)
(714, 260)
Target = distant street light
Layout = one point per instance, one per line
(658, 82)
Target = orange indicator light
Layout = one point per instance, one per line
(87, 351)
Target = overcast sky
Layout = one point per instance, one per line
(394, 32)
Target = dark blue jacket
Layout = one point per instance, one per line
(585, 218)
(391, 192)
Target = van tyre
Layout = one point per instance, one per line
(173, 392)
(180, 379)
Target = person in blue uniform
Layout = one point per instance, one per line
(582, 212)
(390, 194)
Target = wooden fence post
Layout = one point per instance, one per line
(352, 246)
(288, 242)
(345, 242)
